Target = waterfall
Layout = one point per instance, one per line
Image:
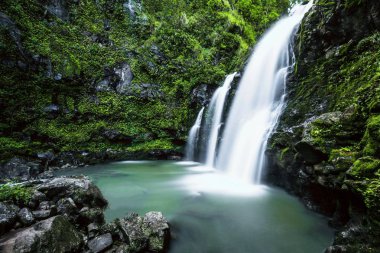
(256, 106)
(216, 110)
(258, 101)
(193, 137)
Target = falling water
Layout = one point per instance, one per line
(258, 101)
(193, 137)
(216, 110)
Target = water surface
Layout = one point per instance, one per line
(209, 212)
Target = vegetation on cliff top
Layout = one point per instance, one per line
(57, 52)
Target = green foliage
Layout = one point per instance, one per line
(161, 144)
(15, 193)
(176, 44)
(365, 167)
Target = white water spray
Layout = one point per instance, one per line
(258, 101)
(193, 137)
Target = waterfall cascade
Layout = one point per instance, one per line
(257, 104)
(193, 137)
(215, 109)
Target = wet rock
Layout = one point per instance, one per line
(92, 230)
(150, 232)
(19, 169)
(156, 227)
(116, 136)
(52, 109)
(8, 216)
(201, 95)
(131, 226)
(103, 85)
(14, 32)
(90, 215)
(55, 234)
(79, 189)
(42, 214)
(26, 217)
(66, 206)
(100, 243)
(38, 197)
(58, 8)
(125, 75)
(44, 205)
(336, 249)
(131, 7)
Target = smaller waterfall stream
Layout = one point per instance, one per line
(193, 137)
(216, 110)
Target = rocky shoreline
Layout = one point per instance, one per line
(65, 214)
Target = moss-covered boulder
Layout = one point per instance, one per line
(55, 234)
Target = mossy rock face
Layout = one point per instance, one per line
(333, 102)
(71, 70)
(55, 234)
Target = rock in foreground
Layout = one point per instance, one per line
(65, 214)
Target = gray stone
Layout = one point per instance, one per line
(124, 72)
(38, 196)
(41, 214)
(100, 243)
(18, 169)
(47, 156)
(131, 227)
(103, 85)
(8, 216)
(52, 108)
(92, 215)
(79, 189)
(58, 8)
(55, 234)
(201, 95)
(26, 217)
(157, 228)
(66, 206)
(150, 232)
(13, 31)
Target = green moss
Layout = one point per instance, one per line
(283, 153)
(371, 195)
(343, 158)
(178, 45)
(364, 167)
(152, 145)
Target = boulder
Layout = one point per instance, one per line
(19, 169)
(149, 233)
(131, 227)
(66, 206)
(201, 95)
(156, 227)
(42, 214)
(55, 234)
(8, 217)
(79, 189)
(26, 216)
(14, 32)
(90, 215)
(125, 76)
(100, 243)
(58, 8)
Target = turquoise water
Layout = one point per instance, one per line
(208, 212)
